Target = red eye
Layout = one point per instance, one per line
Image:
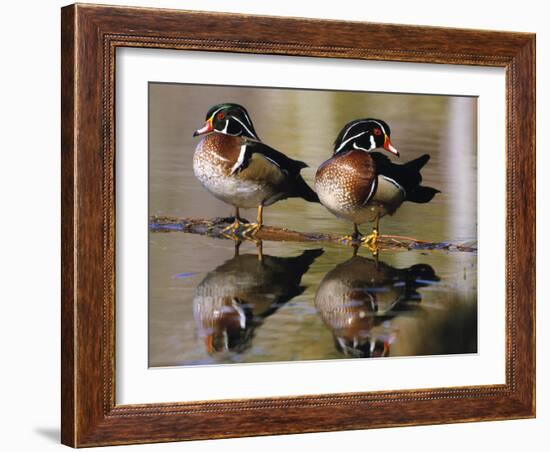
(221, 115)
(377, 132)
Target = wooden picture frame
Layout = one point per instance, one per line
(90, 36)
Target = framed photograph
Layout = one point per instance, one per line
(282, 225)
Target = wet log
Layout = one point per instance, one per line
(217, 228)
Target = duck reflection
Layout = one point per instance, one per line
(360, 294)
(235, 298)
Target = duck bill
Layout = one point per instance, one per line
(388, 146)
(206, 128)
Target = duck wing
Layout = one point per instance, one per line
(250, 149)
(261, 162)
(407, 176)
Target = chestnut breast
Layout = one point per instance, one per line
(346, 181)
(218, 151)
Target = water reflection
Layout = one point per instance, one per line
(234, 299)
(361, 294)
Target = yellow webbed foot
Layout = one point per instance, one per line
(371, 241)
(230, 232)
(251, 230)
(352, 239)
(348, 239)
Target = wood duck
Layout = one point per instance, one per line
(360, 185)
(235, 298)
(233, 164)
(356, 297)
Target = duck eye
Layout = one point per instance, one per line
(221, 115)
(377, 132)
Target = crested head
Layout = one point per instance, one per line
(229, 119)
(365, 135)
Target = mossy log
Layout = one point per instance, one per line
(218, 228)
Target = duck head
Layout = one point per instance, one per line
(366, 135)
(229, 119)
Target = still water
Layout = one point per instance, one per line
(211, 304)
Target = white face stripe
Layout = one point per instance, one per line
(240, 160)
(343, 143)
(366, 121)
(247, 129)
(355, 146)
(372, 143)
(237, 119)
(226, 126)
(225, 132)
(359, 148)
(381, 126)
(214, 114)
(351, 127)
(247, 118)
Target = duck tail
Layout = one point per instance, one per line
(303, 190)
(418, 164)
(416, 192)
(421, 195)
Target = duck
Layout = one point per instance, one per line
(360, 185)
(358, 298)
(235, 166)
(235, 298)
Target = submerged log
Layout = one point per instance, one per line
(217, 228)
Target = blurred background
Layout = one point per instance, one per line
(425, 302)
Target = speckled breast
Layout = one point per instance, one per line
(343, 184)
(213, 161)
(215, 155)
(349, 187)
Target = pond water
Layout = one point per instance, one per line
(212, 304)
